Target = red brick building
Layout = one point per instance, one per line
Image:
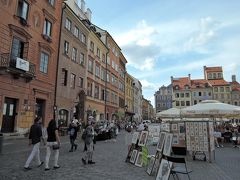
(28, 59)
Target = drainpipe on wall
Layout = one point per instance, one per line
(105, 99)
(59, 44)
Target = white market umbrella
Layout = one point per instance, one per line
(210, 108)
(170, 113)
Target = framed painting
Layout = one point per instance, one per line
(135, 137)
(164, 170)
(161, 141)
(143, 138)
(151, 165)
(139, 161)
(133, 156)
(168, 144)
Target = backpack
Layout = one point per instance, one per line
(84, 135)
(72, 131)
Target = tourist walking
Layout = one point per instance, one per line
(35, 136)
(53, 142)
(72, 131)
(88, 139)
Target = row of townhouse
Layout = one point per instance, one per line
(185, 92)
(55, 63)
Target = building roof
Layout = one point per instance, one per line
(199, 83)
(213, 69)
(235, 86)
(218, 82)
(181, 82)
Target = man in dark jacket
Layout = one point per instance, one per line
(72, 131)
(35, 136)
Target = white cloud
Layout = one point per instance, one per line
(147, 85)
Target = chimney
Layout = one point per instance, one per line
(171, 79)
(89, 14)
(189, 78)
(204, 71)
(233, 78)
(83, 5)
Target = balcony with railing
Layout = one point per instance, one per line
(17, 67)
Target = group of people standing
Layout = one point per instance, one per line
(51, 141)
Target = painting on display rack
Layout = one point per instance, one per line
(168, 144)
(135, 137)
(161, 142)
(139, 161)
(143, 138)
(151, 165)
(164, 170)
(133, 156)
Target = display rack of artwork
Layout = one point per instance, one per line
(199, 139)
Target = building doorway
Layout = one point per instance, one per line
(40, 109)
(9, 113)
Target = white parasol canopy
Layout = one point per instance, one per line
(210, 108)
(170, 113)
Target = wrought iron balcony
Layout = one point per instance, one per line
(8, 64)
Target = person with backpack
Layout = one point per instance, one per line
(72, 131)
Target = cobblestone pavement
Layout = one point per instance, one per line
(110, 163)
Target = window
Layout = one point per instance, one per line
(83, 38)
(108, 77)
(89, 89)
(17, 48)
(82, 57)
(51, 2)
(74, 54)
(65, 76)
(194, 94)
(187, 94)
(103, 74)
(97, 70)
(195, 102)
(182, 103)
(199, 93)
(210, 76)
(108, 60)
(177, 103)
(215, 89)
(72, 81)
(204, 93)
(96, 92)
(47, 28)
(68, 24)
(209, 94)
(92, 46)
(235, 103)
(76, 31)
(80, 82)
(222, 96)
(103, 94)
(227, 89)
(182, 95)
(187, 103)
(103, 58)
(177, 95)
(214, 75)
(90, 65)
(44, 62)
(221, 89)
(66, 47)
(22, 10)
(219, 75)
(98, 52)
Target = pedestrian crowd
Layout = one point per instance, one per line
(51, 140)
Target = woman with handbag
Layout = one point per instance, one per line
(53, 142)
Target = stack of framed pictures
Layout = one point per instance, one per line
(138, 141)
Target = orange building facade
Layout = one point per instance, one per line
(28, 59)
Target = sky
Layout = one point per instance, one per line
(164, 38)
